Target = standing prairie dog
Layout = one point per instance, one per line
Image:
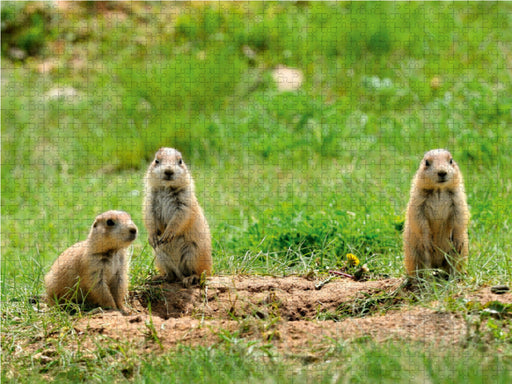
(95, 271)
(436, 225)
(177, 228)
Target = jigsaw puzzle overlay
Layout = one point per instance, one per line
(262, 191)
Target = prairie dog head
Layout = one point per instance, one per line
(112, 230)
(438, 170)
(168, 169)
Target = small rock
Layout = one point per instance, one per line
(17, 53)
(61, 93)
(249, 53)
(43, 359)
(287, 79)
(500, 289)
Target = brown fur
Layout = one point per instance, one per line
(95, 271)
(436, 224)
(177, 228)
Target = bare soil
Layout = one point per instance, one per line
(288, 312)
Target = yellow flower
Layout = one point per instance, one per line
(352, 259)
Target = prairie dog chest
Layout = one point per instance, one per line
(108, 265)
(439, 206)
(166, 202)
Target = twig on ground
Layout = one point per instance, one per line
(342, 274)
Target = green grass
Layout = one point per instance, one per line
(290, 182)
(234, 360)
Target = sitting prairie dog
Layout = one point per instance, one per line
(177, 228)
(436, 224)
(95, 271)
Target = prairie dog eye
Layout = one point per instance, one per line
(451, 161)
(110, 223)
(427, 163)
(157, 161)
(180, 161)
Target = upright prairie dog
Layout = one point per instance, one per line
(177, 228)
(95, 271)
(436, 225)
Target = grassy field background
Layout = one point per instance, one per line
(290, 181)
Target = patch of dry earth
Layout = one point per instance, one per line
(282, 311)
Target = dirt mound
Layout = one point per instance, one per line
(288, 312)
(290, 298)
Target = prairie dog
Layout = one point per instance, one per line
(436, 224)
(177, 228)
(95, 271)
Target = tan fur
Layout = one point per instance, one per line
(436, 224)
(95, 271)
(177, 228)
